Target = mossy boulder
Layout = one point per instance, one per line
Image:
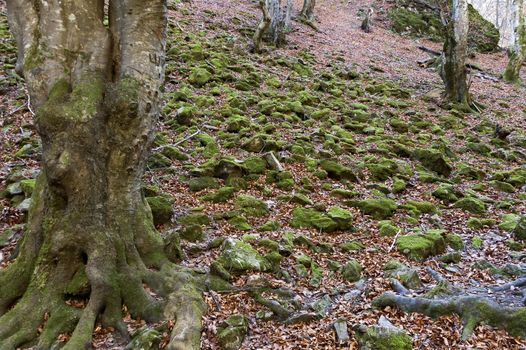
(199, 76)
(200, 183)
(221, 195)
(352, 271)
(238, 257)
(334, 219)
(312, 218)
(407, 276)
(232, 331)
(338, 171)
(161, 207)
(251, 206)
(472, 205)
(387, 228)
(384, 336)
(520, 229)
(342, 217)
(383, 169)
(379, 209)
(420, 246)
(433, 160)
(255, 165)
(447, 193)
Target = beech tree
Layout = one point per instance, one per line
(95, 90)
(274, 24)
(307, 11)
(517, 52)
(454, 71)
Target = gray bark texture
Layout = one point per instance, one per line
(90, 235)
(517, 51)
(274, 24)
(454, 73)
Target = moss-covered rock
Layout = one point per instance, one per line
(387, 228)
(377, 208)
(407, 276)
(255, 165)
(342, 217)
(472, 205)
(421, 246)
(447, 193)
(383, 336)
(232, 331)
(520, 229)
(352, 271)
(238, 257)
(433, 160)
(161, 207)
(338, 171)
(201, 183)
(312, 218)
(221, 195)
(251, 206)
(199, 76)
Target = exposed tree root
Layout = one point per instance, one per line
(473, 310)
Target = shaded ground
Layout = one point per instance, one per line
(400, 106)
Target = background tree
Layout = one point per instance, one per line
(96, 93)
(274, 24)
(453, 72)
(517, 52)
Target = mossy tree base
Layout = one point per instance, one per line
(90, 238)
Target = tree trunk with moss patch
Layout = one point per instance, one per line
(454, 71)
(517, 52)
(90, 236)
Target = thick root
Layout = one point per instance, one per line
(472, 310)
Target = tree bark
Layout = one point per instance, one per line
(307, 11)
(454, 71)
(90, 235)
(517, 52)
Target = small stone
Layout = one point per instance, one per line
(340, 330)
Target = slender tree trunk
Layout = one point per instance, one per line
(307, 12)
(517, 52)
(96, 92)
(454, 72)
(262, 27)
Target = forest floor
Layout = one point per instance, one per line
(358, 98)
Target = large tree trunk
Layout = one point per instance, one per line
(517, 52)
(454, 72)
(96, 93)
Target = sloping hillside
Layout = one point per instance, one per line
(306, 178)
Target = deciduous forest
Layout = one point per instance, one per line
(262, 174)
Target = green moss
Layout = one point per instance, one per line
(472, 205)
(221, 195)
(447, 193)
(337, 171)
(519, 231)
(238, 256)
(454, 241)
(199, 76)
(201, 183)
(232, 332)
(386, 228)
(352, 271)
(376, 208)
(433, 160)
(251, 206)
(421, 246)
(311, 218)
(240, 223)
(161, 207)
